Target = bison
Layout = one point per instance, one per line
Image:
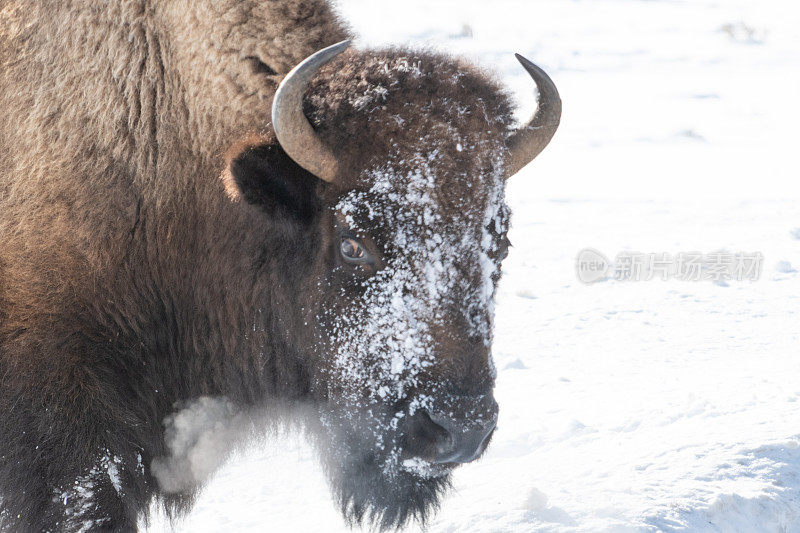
(165, 240)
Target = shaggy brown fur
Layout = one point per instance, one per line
(128, 277)
(114, 116)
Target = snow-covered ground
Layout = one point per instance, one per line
(651, 405)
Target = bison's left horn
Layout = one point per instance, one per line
(295, 134)
(529, 141)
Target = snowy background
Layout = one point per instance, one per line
(649, 406)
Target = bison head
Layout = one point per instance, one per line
(394, 164)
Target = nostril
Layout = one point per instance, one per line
(467, 438)
(445, 422)
(458, 435)
(444, 446)
(425, 438)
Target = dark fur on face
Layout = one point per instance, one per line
(422, 188)
(366, 493)
(370, 104)
(133, 280)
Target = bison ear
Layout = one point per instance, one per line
(259, 172)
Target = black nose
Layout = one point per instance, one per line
(467, 439)
(446, 437)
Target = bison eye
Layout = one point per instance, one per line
(353, 251)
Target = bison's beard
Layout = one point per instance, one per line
(371, 482)
(366, 494)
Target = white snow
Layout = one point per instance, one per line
(625, 406)
(78, 498)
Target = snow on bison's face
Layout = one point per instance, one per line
(409, 226)
(406, 325)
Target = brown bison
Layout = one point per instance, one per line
(342, 256)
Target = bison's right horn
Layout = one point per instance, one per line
(529, 140)
(295, 134)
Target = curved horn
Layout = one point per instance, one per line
(528, 141)
(295, 134)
